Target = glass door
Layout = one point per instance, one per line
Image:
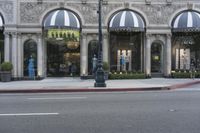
(156, 58)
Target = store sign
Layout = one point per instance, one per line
(68, 37)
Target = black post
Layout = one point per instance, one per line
(99, 77)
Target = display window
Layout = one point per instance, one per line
(63, 52)
(125, 52)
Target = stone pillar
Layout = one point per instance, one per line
(14, 54)
(105, 48)
(142, 53)
(168, 56)
(40, 57)
(44, 44)
(148, 55)
(20, 55)
(84, 55)
(6, 47)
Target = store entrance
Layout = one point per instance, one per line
(63, 60)
(156, 58)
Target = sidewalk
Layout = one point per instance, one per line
(77, 85)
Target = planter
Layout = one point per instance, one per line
(5, 76)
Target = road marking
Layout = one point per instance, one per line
(29, 114)
(55, 98)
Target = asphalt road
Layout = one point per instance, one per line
(129, 112)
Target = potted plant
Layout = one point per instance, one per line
(6, 68)
(106, 69)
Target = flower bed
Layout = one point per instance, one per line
(130, 75)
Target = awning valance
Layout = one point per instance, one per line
(126, 21)
(187, 21)
(61, 19)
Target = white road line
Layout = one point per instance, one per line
(29, 114)
(55, 98)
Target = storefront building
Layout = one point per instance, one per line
(150, 36)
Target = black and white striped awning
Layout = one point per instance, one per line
(187, 21)
(1, 22)
(126, 21)
(62, 19)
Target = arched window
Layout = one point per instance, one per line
(63, 43)
(30, 50)
(126, 29)
(185, 41)
(1, 39)
(92, 52)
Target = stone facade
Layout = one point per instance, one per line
(23, 20)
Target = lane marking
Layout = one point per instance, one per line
(29, 114)
(55, 98)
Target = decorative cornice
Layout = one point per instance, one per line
(169, 2)
(148, 35)
(84, 35)
(105, 36)
(14, 34)
(148, 2)
(169, 36)
(190, 6)
(126, 5)
(19, 34)
(39, 34)
(62, 4)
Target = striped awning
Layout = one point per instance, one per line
(126, 21)
(187, 21)
(62, 19)
(1, 22)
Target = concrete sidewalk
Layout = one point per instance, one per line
(78, 85)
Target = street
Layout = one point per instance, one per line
(124, 112)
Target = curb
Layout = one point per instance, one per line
(70, 90)
(84, 90)
(178, 86)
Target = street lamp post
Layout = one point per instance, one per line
(99, 76)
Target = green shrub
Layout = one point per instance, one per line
(181, 75)
(197, 75)
(6, 66)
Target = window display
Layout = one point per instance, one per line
(124, 60)
(183, 59)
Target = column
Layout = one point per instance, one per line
(105, 48)
(168, 56)
(142, 52)
(44, 46)
(14, 54)
(84, 56)
(148, 55)
(6, 47)
(40, 57)
(19, 57)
